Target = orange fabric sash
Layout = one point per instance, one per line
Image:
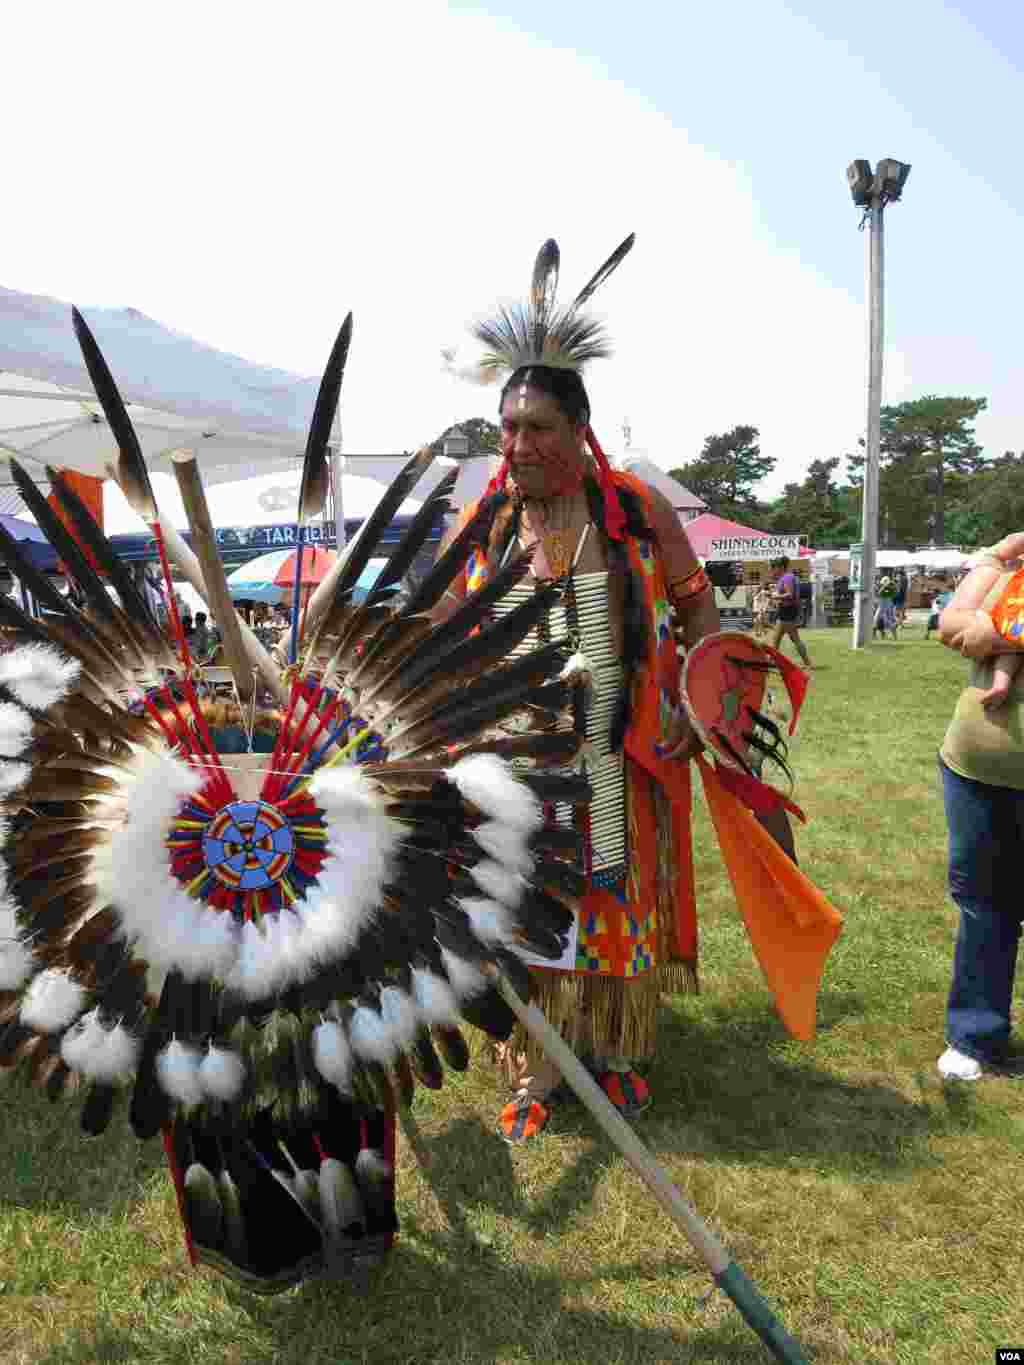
(791, 924)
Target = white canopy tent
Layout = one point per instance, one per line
(246, 423)
(237, 416)
(257, 501)
(940, 559)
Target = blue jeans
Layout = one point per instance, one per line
(986, 825)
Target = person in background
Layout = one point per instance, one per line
(939, 602)
(762, 608)
(885, 615)
(787, 598)
(899, 600)
(204, 639)
(982, 766)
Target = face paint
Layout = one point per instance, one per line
(543, 448)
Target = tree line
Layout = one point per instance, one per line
(936, 485)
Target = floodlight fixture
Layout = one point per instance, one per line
(860, 179)
(891, 177)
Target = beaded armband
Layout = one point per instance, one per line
(683, 591)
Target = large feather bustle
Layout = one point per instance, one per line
(537, 332)
(134, 976)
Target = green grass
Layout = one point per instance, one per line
(877, 1210)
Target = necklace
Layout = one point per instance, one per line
(559, 542)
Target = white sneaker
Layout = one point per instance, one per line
(955, 1066)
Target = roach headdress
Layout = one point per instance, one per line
(263, 924)
(523, 340)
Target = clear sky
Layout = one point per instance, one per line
(248, 172)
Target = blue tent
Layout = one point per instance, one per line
(32, 542)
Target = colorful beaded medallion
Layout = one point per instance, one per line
(248, 857)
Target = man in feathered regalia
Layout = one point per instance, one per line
(632, 578)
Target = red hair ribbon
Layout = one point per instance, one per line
(614, 517)
(497, 484)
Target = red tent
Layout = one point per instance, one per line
(702, 530)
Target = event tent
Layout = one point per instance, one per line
(702, 530)
(237, 416)
(261, 500)
(32, 542)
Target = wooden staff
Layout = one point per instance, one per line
(727, 1274)
(193, 496)
(188, 564)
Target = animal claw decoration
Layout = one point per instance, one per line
(262, 927)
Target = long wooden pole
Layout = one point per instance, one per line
(193, 496)
(727, 1274)
(188, 564)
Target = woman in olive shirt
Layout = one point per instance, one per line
(982, 766)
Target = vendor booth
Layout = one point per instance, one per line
(738, 561)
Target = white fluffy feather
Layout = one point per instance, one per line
(177, 1069)
(254, 970)
(222, 1074)
(13, 774)
(16, 960)
(332, 1055)
(490, 784)
(132, 871)
(497, 882)
(331, 923)
(37, 675)
(174, 931)
(434, 998)
(341, 788)
(361, 845)
(84, 1038)
(51, 1002)
(108, 1055)
(119, 1056)
(505, 845)
(466, 980)
(399, 1014)
(15, 729)
(491, 921)
(371, 1037)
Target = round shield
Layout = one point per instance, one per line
(723, 684)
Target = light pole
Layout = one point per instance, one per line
(872, 191)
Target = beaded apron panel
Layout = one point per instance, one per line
(582, 616)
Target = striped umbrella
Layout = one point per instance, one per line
(271, 577)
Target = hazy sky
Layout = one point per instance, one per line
(248, 172)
